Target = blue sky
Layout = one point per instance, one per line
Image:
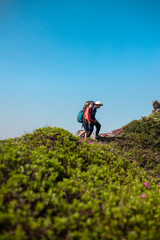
(55, 55)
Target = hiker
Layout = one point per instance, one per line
(97, 105)
(80, 117)
(87, 119)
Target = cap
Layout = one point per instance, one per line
(99, 103)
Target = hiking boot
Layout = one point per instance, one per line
(97, 137)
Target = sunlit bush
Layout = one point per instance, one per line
(55, 187)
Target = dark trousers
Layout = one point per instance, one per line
(98, 127)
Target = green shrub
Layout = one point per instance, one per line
(145, 132)
(55, 187)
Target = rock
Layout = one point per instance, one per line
(79, 132)
(156, 106)
(93, 135)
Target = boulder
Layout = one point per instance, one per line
(156, 106)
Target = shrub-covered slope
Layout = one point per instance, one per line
(145, 132)
(55, 187)
(139, 141)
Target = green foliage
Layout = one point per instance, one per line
(145, 132)
(55, 187)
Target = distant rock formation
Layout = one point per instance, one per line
(156, 106)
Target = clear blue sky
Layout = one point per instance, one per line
(57, 54)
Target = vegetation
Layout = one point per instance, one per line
(146, 132)
(139, 141)
(53, 186)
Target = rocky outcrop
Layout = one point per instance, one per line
(156, 106)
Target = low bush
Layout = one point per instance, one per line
(55, 187)
(145, 132)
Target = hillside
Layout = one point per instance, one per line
(55, 186)
(139, 141)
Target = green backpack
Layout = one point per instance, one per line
(81, 112)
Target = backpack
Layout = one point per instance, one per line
(86, 105)
(80, 116)
(81, 113)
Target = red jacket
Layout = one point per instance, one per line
(87, 115)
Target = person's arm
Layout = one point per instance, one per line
(94, 110)
(88, 115)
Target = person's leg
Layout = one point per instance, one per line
(85, 135)
(91, 126)
(98, 127)
(85, 125)
(82, 133)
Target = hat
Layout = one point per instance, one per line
(99, 103)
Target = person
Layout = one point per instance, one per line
(97, 105)
(87, 119)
